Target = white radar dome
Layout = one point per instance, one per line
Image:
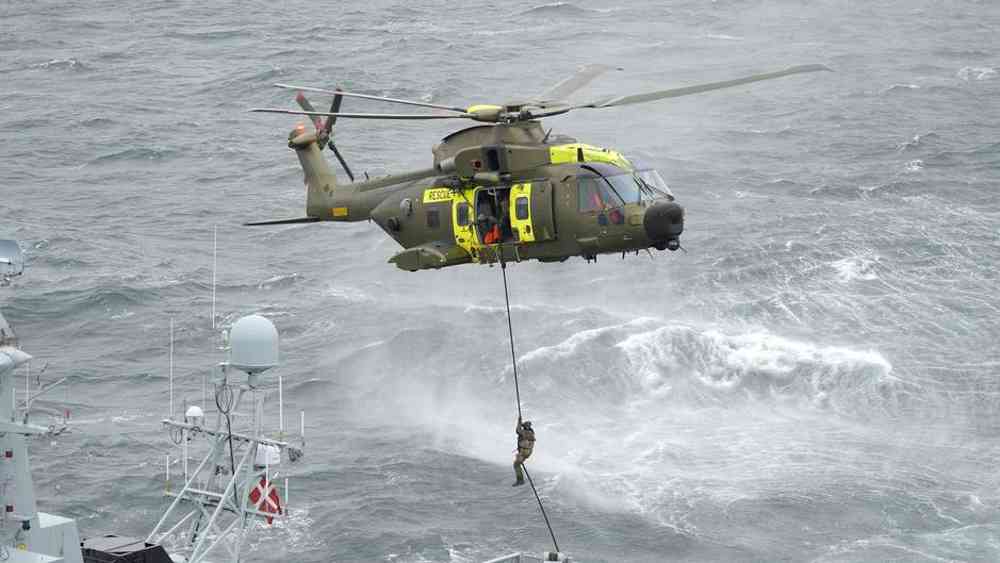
(253, 343)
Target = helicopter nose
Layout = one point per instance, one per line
(664, 222)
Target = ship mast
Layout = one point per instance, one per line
(235, 481)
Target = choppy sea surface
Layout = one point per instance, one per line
(816, 379)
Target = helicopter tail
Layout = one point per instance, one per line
(319, 179)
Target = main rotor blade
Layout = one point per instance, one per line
(283, 221)
(363, 115)
(563, 89)
(698, 88)
(370, 97)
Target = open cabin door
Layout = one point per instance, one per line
(531, 214)
(521, 214)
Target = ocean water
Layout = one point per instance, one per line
(815, 379)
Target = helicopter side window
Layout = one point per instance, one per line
(521, 208)
(596, 195)
(462, 214)
(433, 219)
(590, 199)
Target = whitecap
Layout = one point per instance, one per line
(970, 73)
(856, 268)
(917, 141)
(900, 88)
(754, 361)
(60, 63)
(348, 293)
(913, 166)
(722, 36)
(569, 347)
(282, 280)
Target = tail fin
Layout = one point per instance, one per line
(319, 179)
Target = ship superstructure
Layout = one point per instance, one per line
(26, 535)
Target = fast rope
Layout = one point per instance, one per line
(541, 507)
(517, 394)
(510, 332)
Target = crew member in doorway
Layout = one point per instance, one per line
(489, 229)
(525, 443)
(493, 235)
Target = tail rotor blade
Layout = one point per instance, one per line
(332, 119)
(328, 131)
(303, 102)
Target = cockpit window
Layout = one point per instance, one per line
(606, 192)
(653, 185)
(596, 194)
(626, 186)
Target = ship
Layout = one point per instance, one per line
(227, 478)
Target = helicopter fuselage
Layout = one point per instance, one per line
(508, 193)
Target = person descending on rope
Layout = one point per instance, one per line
(525, 444)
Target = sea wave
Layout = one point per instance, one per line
(642, 359)
(558, 9)
(976, 73)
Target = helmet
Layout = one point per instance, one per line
(527, 424)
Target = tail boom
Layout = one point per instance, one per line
(321, 183)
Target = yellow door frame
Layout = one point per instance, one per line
(525, 230)
(465, 235)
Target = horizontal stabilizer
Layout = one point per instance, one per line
(283, 221)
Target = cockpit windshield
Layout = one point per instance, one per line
(605, 192)
(653, 184)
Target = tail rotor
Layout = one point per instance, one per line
(324, 129)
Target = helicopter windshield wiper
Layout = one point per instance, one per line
(645, 187)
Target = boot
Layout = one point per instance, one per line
(518, 483)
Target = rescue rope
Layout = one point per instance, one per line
(510, 332)
(517, 393)
(541, 507)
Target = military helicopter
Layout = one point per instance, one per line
(504, 190)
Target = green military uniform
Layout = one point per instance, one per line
(525, 444)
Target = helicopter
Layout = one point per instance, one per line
(503, 190)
